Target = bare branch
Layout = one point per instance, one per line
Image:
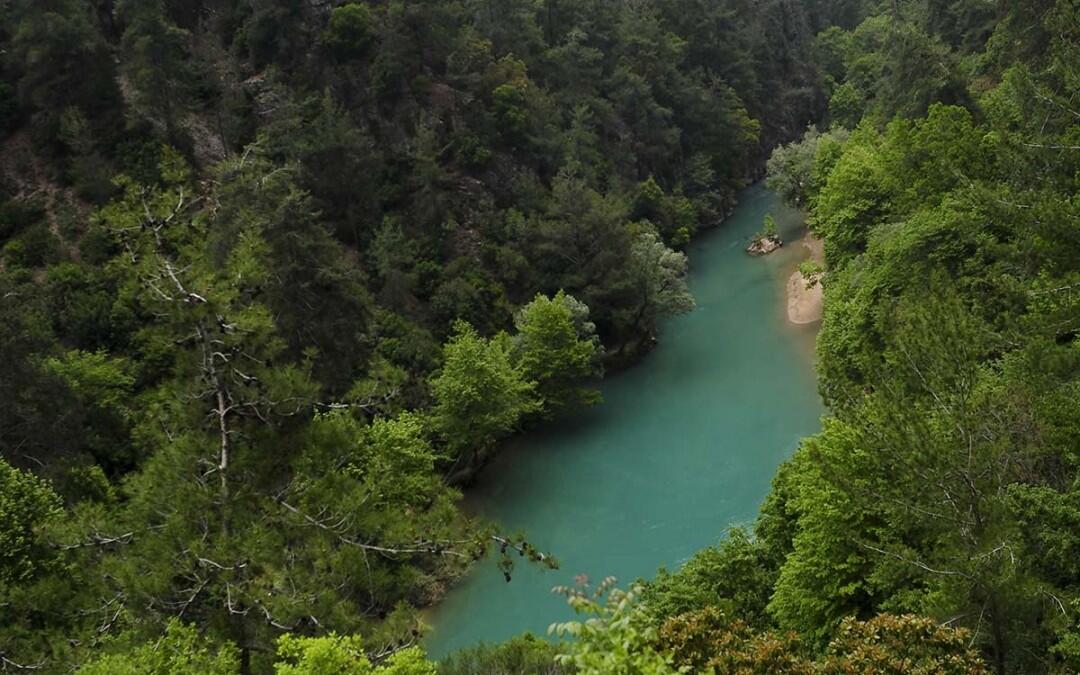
(921, 565)
(6, 663)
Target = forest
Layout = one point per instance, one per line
(278, 278)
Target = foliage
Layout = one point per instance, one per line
(248, 525)
(27, 504)
(769, 226)
(734, 576)
(345, 655)
(480, 395)
(180, 651)
(348, 34)
(614, 639)
(901, 644)
(812, 271)
(235, 235)
(64, 63)
(706, 641)
(797, 170)
(943, 483)
(102, 386)
(517, 656)
(620, 638)
(658, 278)
(556, 347)
(156, 63)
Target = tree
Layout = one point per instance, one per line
(65, 64)
(902, 644)
(674, 216)
(510, 25)
(904, 499)
(581, 246)
(335, 160)
(157, 63)
(40, 423)
(918, 70)
(180, 651)
(556, 347)
(320, 302)
(102, 387)
(769, 227)
(27, 504)
(706, 640)
(275, 33)
(333, 655)
(480, 395)
(612, 641)
(853, 200)
(522, 654)
(658, 278)
(795, 172)
(846, 106)
(348, 34)
(271, 517)
(735, 577)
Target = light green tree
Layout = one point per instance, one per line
(556, 347)
(769, 228)
(344, 655)
(614, 639)
(180, 651)
(27, 504)
(480, 395)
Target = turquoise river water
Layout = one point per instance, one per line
(684, 446)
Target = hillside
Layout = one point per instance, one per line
(277, 277)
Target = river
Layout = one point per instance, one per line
(684, 446)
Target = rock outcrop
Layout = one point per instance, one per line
(764, 245)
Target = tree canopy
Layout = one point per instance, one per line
(278, 278)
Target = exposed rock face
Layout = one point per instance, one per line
(764, 245)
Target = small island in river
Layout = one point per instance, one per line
(766, 241)
(764, 244)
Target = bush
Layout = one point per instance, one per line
(36, 247)
(17, 214)
(846, 105)
(9, 109)
(91, 176)
(522, 654)
(349, 34)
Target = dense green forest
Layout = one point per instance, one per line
(278, 276)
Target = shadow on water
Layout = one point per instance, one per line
(683, 448)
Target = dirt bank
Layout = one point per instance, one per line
(805, 304)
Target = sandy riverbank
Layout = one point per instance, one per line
(805, 305)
